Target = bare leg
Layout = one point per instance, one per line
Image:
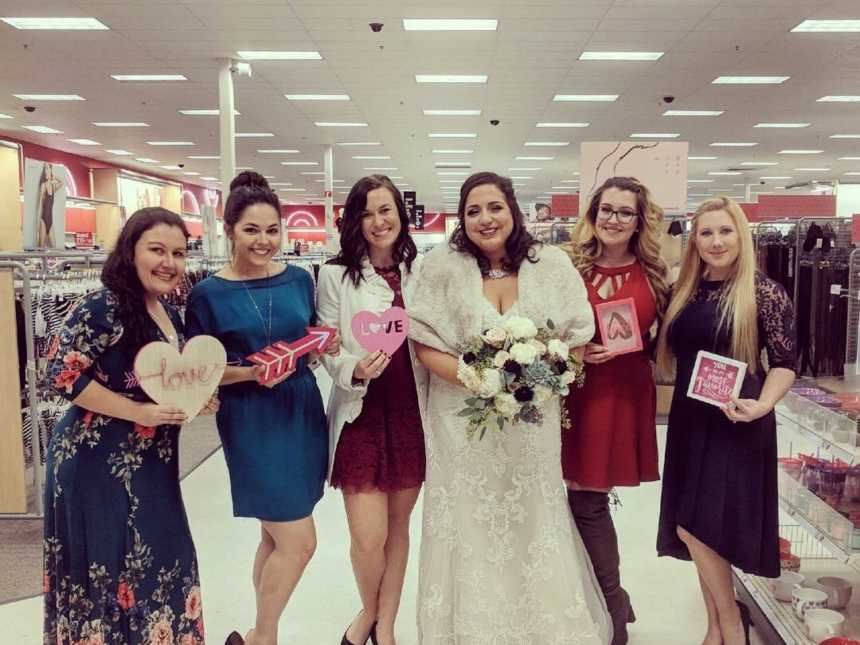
(400, 505)
(294, 545)
(712, 636)
(264, 550)
(367, 515)
(717, 575)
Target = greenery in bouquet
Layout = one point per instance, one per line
(512, 370)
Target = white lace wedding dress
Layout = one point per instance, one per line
(501, 560)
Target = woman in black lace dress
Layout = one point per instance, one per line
(719, 505)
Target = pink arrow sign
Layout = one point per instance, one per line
(281, 357)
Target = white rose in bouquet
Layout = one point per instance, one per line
(507, 405)
(523, 354)
(567, 378)
(540, 348)
(559, 349)
(542, 394)
(468, 376)
(501, 358)
(491, 384)
(495, 336)
(520, 328)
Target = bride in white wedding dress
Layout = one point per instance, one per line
(501, 560)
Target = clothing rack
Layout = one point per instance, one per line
(775, 250)
(852, 335)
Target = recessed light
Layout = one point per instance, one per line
(638, 56)
(120, 153)
(759, 163)
(254, 135)
(702, 158)
(146, 160)
(839, 99)
(725, 173)
(586, 97)
(832, 26)
(733, 144)
(41, 129)
(693, 112)
(300, 163)
(206, 112)
(845, 136)
(85, 142)
(360, 143)
(368, 157)
(547, 143)
(453, 135)
(444, 24)
(317, 97)
(170, 143)
(781, 125)
(750, 80)
(201, 157)
(67, 24)
(49, 97)
(279, 55)
(814, 169)
(148, 77)
(525, 158)
(655, 135)
(562, 125)
(336, 124)
(452, 112)
(452, 151)
(450, 78)
(800, 152)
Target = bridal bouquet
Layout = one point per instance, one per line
(512, 370)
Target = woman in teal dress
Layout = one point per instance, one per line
(274, 435)
(120, 565)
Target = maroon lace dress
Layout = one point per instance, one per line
(383, 448)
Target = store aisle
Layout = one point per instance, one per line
(664, 591)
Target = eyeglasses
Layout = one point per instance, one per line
(623, 215)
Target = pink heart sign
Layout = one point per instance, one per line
(386, 332)
(185, 380)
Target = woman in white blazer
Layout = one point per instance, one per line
(376, 440)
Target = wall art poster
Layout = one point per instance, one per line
(716, 379)
(44, 205)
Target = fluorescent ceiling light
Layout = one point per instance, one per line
(775, 177)
(450, 78)
(750, 80)
(41, 129)
(853, 174)
(85, 142)
(620, 55)
(146, 160)
(254, 135)
(300, 163)
(519, 177)
(547, 143)
(845, 136)
(360, 143)
(422, 24)
(523, 158)
(279, 55)
(701, 181)
(586, 97)
(120, 124)
(49, 97)
(655, 135)
(453, 164)
(562, 125)
(148, 77)
(278, 151)
(393, 177)
(725, 173)
(320, 172)
(452, 151)
(525, 169)
(172, 167)
(334, 181)
(733, 144)
(205, 112)
(570, 181)
(367, 157)
(209, 178)
(849, 158)
(452, 112)
(812, 169)
(280, 183)
(781, 125)
(5, 116)
(693, 112)
(380, 168)
(800, 152)
(317, 97)
(191, 174)
(449, 181)
(759, 163)
(170, 143)
(121, 153)
(453, 135)
(204, 156)
(702, 158)
(832, 26)
(293, 190)
(839, 99)
(335, 124)
(69, 24)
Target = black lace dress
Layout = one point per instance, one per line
(720, 478)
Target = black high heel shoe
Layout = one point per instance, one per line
(746, 620)
(234, 639)
(373, 634)
(370, 636)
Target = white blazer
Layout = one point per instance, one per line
(338, 300)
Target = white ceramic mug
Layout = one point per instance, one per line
(785, 584)
(806, 599)
(822, 624)
(838, 591)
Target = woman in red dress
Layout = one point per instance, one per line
(612, 441)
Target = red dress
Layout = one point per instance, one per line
(383, 448)
(613, 438)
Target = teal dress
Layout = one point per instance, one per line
(275, 440)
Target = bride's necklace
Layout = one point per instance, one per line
(497, 274)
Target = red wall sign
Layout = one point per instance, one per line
(780, 206)
(565, 205)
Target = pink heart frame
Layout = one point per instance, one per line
(386, 332)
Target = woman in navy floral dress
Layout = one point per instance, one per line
(120, 565)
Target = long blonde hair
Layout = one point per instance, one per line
(737, 305)
(585, 247)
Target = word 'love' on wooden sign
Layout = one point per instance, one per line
(281, 357)
(385, 332)
(187, 380)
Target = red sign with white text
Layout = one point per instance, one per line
(786, 206)
(716, 379)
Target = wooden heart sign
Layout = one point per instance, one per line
(185, 380)
(385, 332)
(280, 357)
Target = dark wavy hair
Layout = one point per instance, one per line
(119, 273)
(519, 246)
(353, 246)
(246, 189)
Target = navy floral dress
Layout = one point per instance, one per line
(120, 565)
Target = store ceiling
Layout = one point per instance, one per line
(533, 56)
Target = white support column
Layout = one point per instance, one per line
(227, 122)
(331, 237)
(748, 193)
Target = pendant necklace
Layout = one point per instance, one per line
(266, 327)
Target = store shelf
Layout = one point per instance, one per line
(830, 431)
(787, 627)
